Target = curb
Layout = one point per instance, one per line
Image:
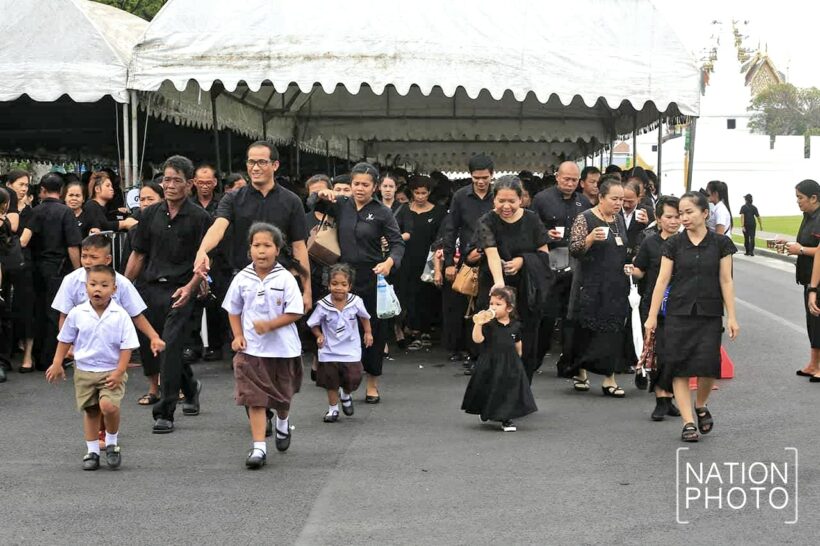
(768, 254)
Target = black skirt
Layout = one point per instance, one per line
(812, 322)
(599, 352)
(661, 375)
(691, 345)
(499, 388)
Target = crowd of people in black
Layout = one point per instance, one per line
(500, 272)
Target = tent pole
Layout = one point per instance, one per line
(298, 156)
(134, 140)
(348, 153)
(658, 167)
(327, 155)
(125, 168)
(230, 156)
(216, 130)
(634, 140)
(692, 127)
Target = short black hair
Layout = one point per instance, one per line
(274, 153)
(588, 171)
(52, 183)
(318, 178)
(97, 240)
(206, 165)
(612, 169)
(345, 179)
(420, 181)
(232, 179)
(666, 201)
(156, 188)
(180, 164)
(481, 162)
(107, 269)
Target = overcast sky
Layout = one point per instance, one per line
(792, 42)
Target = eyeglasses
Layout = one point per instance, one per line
(173, 180)
(258, 162)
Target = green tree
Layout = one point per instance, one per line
(142, 8)
(783, 109)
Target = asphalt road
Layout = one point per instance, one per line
(415, 470)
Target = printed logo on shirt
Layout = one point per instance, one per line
(429, 220)
(369, 216)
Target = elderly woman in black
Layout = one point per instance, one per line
(808, 199)
(361, 222)
(514, 243)
(698, 262)
(600, 290)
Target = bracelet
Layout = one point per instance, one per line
(801, 251)
(811, 289)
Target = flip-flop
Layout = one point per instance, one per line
(580, 385)
(148, 399)
(801, 373)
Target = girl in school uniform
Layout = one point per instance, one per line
(699, 264)
(335, 323)
(499, 389)
(263, 305)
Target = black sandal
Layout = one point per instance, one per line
(148, 399)
(705, 421)
(614, 391)
(580, 385)
(689, 433)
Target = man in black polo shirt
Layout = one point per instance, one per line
(468, 205)
(55, 241)
(165, 243)
(205, 197)
(557, 206)
(263, 201)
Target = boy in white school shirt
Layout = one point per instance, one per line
(103, 337)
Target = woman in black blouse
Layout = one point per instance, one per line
(361, 223)
(419, 297)
(698, 262)
(514, 243)
(74, 197)
(95, 209)
(808, 199)
(600, 289)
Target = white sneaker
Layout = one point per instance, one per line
(508, 426)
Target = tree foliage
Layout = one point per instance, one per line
(141, 8)
(783, 109)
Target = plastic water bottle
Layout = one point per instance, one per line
(382, 299)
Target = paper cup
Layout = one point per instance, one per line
(560, 230)
(606, 231)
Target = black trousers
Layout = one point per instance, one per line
(455, 331)
(556, 309)
(171, 325)
(46, 320)
(749, 239)
(216, 317)
(365, 288)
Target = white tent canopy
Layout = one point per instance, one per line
(418, 70)
(77, 48)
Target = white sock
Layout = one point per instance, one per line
(346, 399)
(261, 446)
(93, 446)
(282, 426)
(111, 439)
(331, 409)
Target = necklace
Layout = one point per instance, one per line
(612, 224)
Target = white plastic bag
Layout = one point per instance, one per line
(387, 303)
(429, 269)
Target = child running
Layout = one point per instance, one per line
(263, 305)
(103, 336)
(499, 389)
(335, 325)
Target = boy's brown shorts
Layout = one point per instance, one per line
(89, 388)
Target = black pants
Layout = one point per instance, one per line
(365, 288)
(455, 331)
(46, 320)
(171, 325)
(557, 306)
(749, 239)
(216, 316)
(529, 346)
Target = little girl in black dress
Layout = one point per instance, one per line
(499, 389)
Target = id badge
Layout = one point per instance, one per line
(619, 241)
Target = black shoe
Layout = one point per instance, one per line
(403, 343)
(331, 417)
(23, 369)
(470, 369)
(190, 356)
(661, 409)
(347, 406)
(256, 459)
(113, 457)
(163, 426)
(456, 357)
(268, 428)
(282, 444)
(368, 399)
(672, 410)
(212, 355)
(191, 406)
(2, 375)
(91, 461)
(5, 365)
(313, 375)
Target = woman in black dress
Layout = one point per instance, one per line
(698, 262)
(74, 197)
(361, 223)
(95, 210)
(418, 297)
(600, 289)
(388, 190)
(514, 243)
(808, 199)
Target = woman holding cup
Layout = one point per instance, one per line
(600, 305)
